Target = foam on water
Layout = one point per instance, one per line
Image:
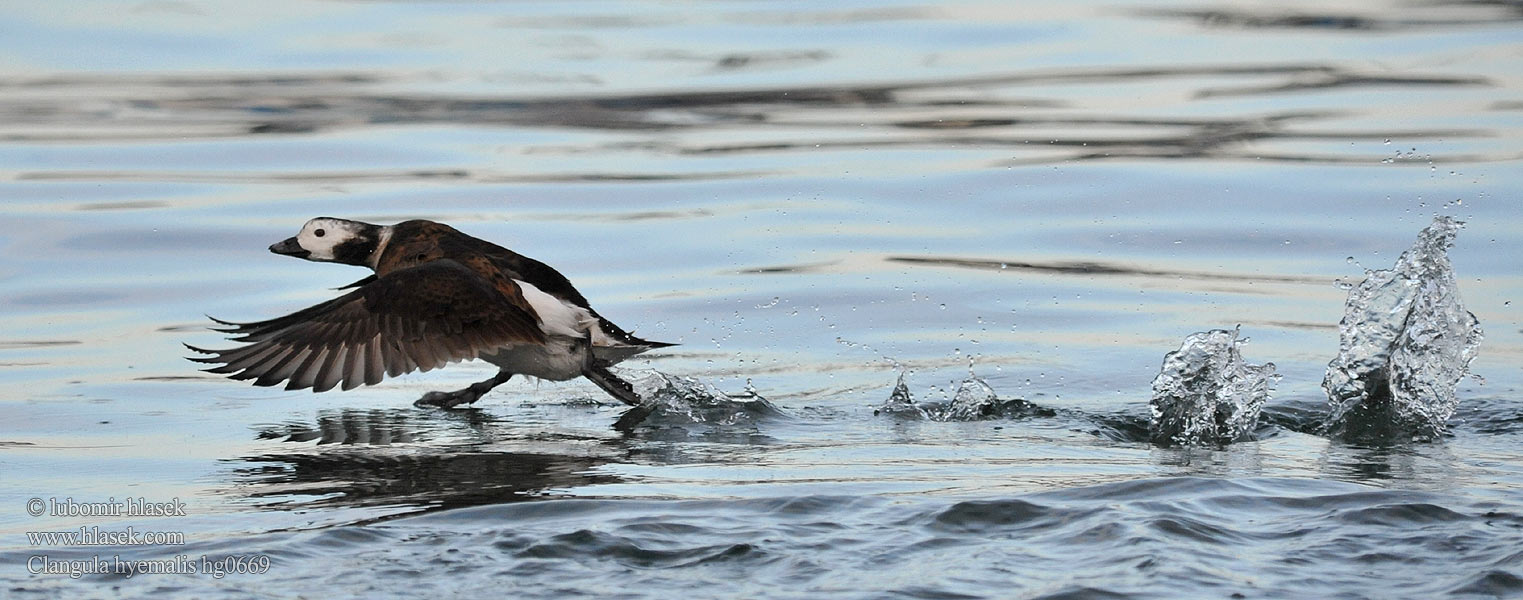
(689, 400)
(1206, 393)
(1405, 341)
(975, 400)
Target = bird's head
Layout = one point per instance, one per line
(326, 239)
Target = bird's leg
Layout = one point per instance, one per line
(597, 372)
(468, 395)
(621, 390)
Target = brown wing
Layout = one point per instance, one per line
(418, 318)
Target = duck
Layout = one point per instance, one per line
(435, 296)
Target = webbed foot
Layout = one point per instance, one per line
(447, 399)
(463, 396)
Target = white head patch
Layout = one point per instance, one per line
(321, 235)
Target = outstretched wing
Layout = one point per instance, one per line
(418, 318)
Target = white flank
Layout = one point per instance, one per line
(556, 316)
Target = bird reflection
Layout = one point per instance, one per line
(404, 457)
(383, 427)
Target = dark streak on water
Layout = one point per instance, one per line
(302, 105)
(1096, 268)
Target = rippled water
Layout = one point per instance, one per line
(814, 200)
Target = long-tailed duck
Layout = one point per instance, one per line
(437, 296)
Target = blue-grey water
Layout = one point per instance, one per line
(814, 199)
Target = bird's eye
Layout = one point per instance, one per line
(422, 257)
(319, 233)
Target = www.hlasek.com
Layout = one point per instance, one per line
(93, 535)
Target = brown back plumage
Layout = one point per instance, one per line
(419, 241)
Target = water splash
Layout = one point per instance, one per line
(687, 400)
(900, 401)
(1206, 393)
(975, 400)
(1405, 341)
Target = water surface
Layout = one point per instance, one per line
(812, 200)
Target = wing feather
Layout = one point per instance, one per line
(284, 369)
(396, 359)
(329, 372)
(307, 371)
(414, 319)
